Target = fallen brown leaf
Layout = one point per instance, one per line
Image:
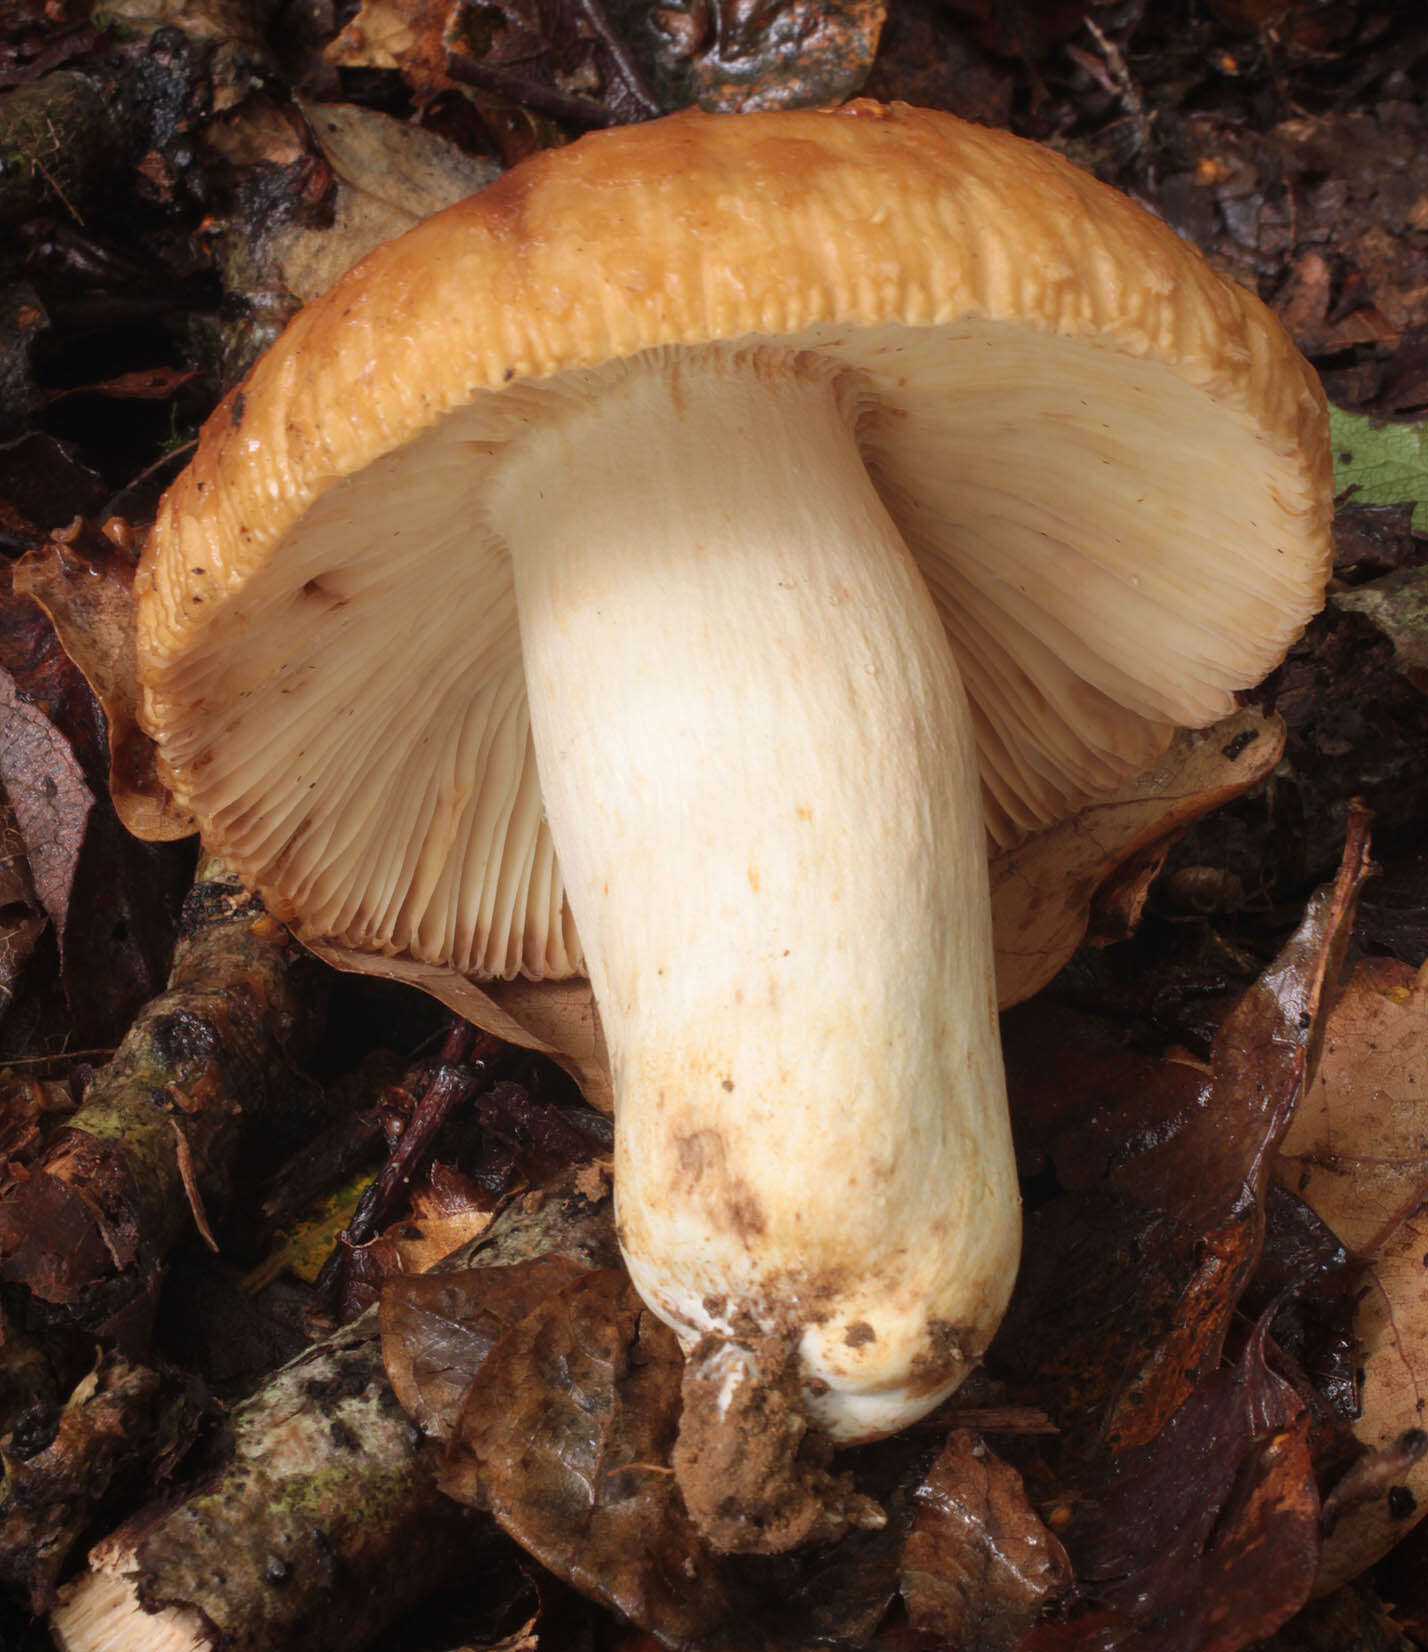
(83, 583)
(1206, 1537)
(45, 787)
(389, 175)
(1042, 891)
(407, 35)
(1357, 1152)
(566, 1436)
(978, 1566)
(438, 1328)
(1129, 1289)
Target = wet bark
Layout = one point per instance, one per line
(149, 1155)
(325, 1524)
(61, 140)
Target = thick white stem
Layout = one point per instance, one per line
(759, 772)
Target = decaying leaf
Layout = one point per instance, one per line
(389, 175)
(1190, 1504)
(570, 1425)
(1382, 463)
(84, 584)
(978, 1566)
(45, 787)
(770, 54)
(1398, 605)
(1042, 891)
(1357, 1152)
(408, 35)
(438, 1328)
(1206, 1537)
(1128, 1290)
(566, 1435)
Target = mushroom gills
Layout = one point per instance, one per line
(759, 773)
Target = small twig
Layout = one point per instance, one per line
(188, 1173)
(524, 91)
(450, 1086)
(645, 106)
(32, 156)
(54, 1060)
(1126, 86)
(463, 1066)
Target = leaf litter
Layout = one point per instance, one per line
(1223, 1316)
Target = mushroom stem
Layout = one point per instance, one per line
(760, 776)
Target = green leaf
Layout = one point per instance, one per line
(1385, 464)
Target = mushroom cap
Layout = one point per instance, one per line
(1110, 462)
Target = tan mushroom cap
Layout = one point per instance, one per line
(1111, 465)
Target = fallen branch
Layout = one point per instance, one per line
(86, 1228)
(325, 1524)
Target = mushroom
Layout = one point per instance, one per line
(680, 561)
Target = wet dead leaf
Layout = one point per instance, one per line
(1129, 1289)
(557, 1018)
(1217, 1164)
(570, 1424)
(1206, 1537)
(1357, 1152)
(1042, 891)
(389, 175)
(1398, 605)
(770, 54)
(566, 1436)
(84, 585)
(45, 787)
(978, 1566)
(438, 1328)
(406, 35)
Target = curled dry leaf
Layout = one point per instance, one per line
(84, 586)
(1042, 891)
(978, 1566)
(1357, 1152)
